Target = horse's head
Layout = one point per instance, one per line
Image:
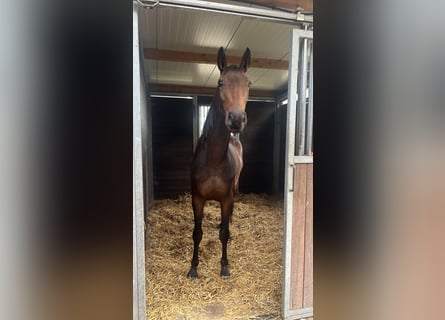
(233, 90)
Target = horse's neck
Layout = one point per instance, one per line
(216, 133)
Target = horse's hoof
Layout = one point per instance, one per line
(225, 273)
(192, 274)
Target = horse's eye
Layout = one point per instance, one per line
(249, 84)
(220, 83)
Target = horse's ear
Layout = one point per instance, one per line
(222, 62)
(245, 61)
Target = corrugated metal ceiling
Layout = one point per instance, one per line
(204, 32)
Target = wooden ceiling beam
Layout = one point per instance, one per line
(171, 88)
(209, 58)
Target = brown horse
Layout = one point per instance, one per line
(217, 162)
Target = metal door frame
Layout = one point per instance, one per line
(139, 309)
(294, 86)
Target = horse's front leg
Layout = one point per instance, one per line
(198, 206)
(224, 235)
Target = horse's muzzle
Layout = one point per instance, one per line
(235, 121)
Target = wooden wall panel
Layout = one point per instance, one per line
(172, 130)
(308, 253)
(298, 237)
(302, 236)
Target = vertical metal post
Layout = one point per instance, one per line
(138, 182)
(289, 172)
(149, 149)
(195, 122)
(301, 103)
(276, 148)
(310, 108)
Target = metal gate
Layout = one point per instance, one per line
(298, 196)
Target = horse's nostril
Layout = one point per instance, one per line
(230, 115)
(244, 117)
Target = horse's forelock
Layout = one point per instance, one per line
(232, 67)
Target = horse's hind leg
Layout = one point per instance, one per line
(224, 234)
(198, 206)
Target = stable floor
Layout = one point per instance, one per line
(255, 256)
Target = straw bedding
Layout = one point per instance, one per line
(255, 257)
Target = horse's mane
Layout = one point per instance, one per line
(212, 115)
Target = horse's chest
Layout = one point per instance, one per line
(215, 182)
(214, 185)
